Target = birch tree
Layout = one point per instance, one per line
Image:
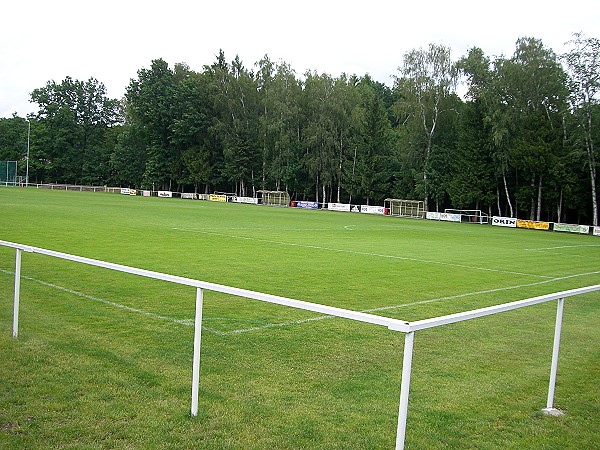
(426, 77)
(583, 62)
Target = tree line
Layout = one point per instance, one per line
(520, 140)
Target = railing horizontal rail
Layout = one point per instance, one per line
(482, 312)
(398, 325)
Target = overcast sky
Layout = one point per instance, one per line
(111, 40)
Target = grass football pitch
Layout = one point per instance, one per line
(104, 359)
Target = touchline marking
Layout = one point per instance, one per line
(101, 300)
(561, 246)
(354, 252)
(190, 322)
(405, 305)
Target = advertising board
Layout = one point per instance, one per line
(366, 209)
(504, 221)
(345, 207)
(570, 228)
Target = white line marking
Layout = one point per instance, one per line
(406, 305)
(560, 247)
(190, 322)
(354, 252)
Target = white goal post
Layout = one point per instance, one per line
(415, 209)
(273, 198)
(409, 328)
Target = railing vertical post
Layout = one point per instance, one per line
(549, 409)
(196, 361)
(404, 389)
(15, 330)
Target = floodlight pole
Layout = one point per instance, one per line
(27, 159)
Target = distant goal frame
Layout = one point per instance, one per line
(397, 207)
(273, 198)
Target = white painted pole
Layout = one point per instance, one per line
(196, 361)
(554, 369)
(404, 389)
(15, 331)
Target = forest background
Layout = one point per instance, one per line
(514, 136)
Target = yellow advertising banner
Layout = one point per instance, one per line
(532, 224)
(217, 198)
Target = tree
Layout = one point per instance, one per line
(426, 77)
(534, 89)
(150, 103)
(485, 135)
(76, 117)
(583, 62)
(368, 169)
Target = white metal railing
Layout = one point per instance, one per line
(409, 328)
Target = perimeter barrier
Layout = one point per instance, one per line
(409, 328)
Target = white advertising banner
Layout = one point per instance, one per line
(188, 195)
(450, 217)
(165, 194)
(345, 207)
(432, 215)
(366, 209)
(596, 231)
(132, 192)
(145, 193)
(125, 191)
(250, 200)
(504, 221)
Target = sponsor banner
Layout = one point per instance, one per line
(446, 217)
(596, 231)
(132, 192)
(125, 191)
(306, 205)
(145, 193)
(504, 221)
(188, 195)
(431, 215)
(345, 207)
(533, 225)
(251, 200)
(165, 194)
(366, 209)
(217, 198)
(569, 228)
(354, 208)
(204, 197)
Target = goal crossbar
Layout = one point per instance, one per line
(409, 328)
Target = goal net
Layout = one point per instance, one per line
(405, 208)
(470, 215)
(273, 198)
(8, 173)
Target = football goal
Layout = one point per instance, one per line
(405, 208)
(273, 198)
(8, 173)
(470, 215)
